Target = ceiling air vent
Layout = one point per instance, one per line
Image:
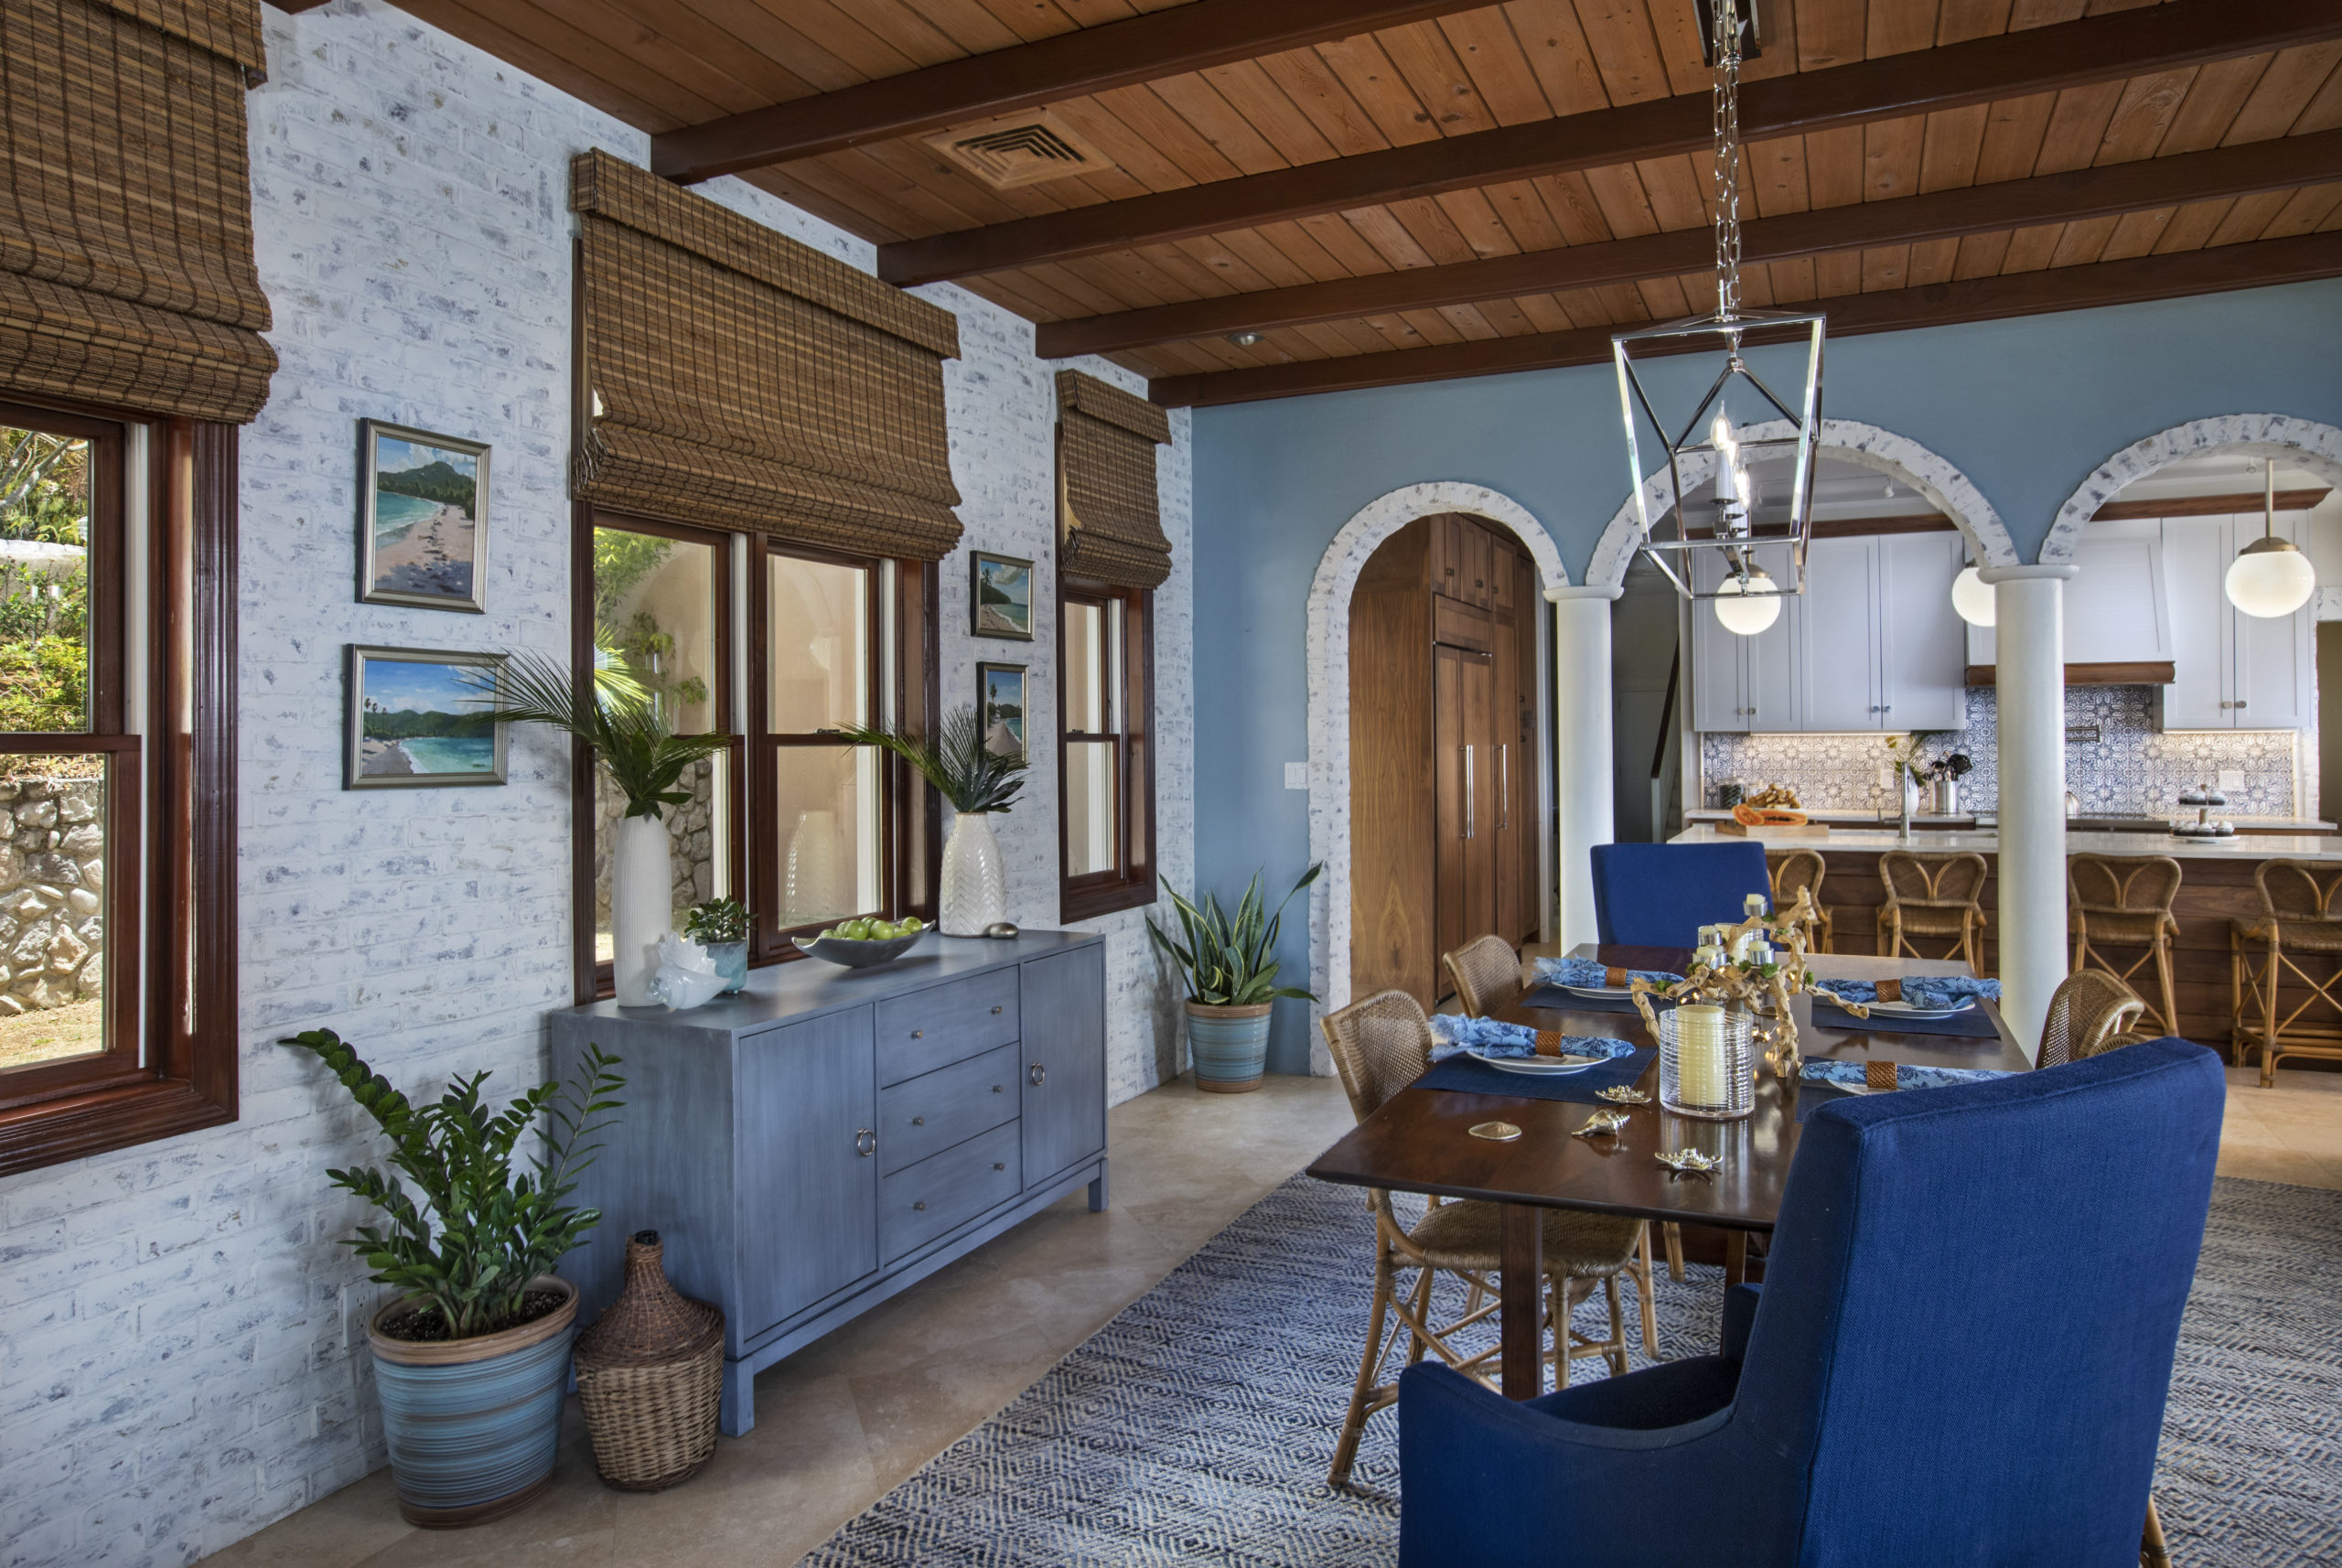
(1019, 149)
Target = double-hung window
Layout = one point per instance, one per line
(1106, 786)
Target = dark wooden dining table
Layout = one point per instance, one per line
(1421, 1140)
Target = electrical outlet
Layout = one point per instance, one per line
(1887, 779)
(2231, 779)
(1297, 776)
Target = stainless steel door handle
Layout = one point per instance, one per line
(1504, 786)
(1469, 826)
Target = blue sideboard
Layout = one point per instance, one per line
(830, 1136)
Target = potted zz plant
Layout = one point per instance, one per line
(471, 1359)
(1225, 963)
(621, 720)
(721, 926)
(978, 781)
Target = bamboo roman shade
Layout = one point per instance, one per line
(745, 380)
(1112, 529)
(126, 271)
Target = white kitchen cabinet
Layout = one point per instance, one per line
(1922, 682)
(1839, 672)
(2233, 670)
(2118, 602)
(1742, 683)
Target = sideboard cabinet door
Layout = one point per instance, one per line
(807, 1134)
(1064, 1060)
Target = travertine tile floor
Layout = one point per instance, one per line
(843, 1422)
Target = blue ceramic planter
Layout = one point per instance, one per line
(731, 960)
(474, 1424)
(1230, 1047)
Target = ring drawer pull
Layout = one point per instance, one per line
(998, 1089)
(865, 1143)
(1039, 1075)
(920, 1205)
(919, 1034)
(1000, 1165)
(996, 1012)
(919, 1120)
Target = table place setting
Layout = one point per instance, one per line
(1917, 1005)
(1487, 1056)
(1846, 1079)
(1589, 985)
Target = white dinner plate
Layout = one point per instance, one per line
(1601, 993)
(1540, 1066)
(1913, 1010)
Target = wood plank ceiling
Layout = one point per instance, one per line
(1474, 189)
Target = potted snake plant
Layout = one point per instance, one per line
(1227, 964)
(471, 1356)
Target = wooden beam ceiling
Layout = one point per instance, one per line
(2038, 60)
(2211, 270)
(1147, 48)
(2141, 186)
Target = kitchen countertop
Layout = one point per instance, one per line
(1986, 821)
(1987, 842)
(1834, 816)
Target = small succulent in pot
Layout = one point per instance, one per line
(721, 926)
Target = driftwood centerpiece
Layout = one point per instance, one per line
(1763, 987)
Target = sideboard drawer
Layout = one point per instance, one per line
(923, 1115)
(921, 1202)
(945, 1023)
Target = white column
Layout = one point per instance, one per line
(1582, 796)
(2029, 608)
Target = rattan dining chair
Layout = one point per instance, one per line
(1935, 895)
(2301, 918)
(1486, 974)
(2125, 901)
(2090, 1010)
(1380, 1045)
(1801, 871)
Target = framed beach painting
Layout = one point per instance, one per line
(422, 519)
(1000, 698)
(418, 717)
(1000, 595)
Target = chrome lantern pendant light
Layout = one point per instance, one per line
(1722, 547)
(2271, 577)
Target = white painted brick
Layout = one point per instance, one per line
(182, 1349)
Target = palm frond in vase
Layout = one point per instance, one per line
(955, 760)
(609, 710)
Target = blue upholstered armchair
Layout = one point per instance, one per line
(1659, 895)
(1960, 1354)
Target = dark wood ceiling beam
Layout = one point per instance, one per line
(2107, 191)
(2010, 64)
(2209, 506)
(2214, 271)
(1146, 48)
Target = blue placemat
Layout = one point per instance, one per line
(1974, 1024)
(1463, 1075)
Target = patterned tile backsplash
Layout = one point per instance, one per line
(2130, 768)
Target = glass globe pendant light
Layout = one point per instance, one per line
(2271, 577)
(1719, 548)
(1973, 597)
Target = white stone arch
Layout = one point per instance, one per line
(1899, 458)
(1330, 704)
(2315, 447)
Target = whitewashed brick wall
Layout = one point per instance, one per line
(181, 1337)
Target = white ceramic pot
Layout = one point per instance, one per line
(642, 885)
(975, 883)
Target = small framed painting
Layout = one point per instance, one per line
(422, 519)
(1000, 595)
(418, 717)
(1000, 699)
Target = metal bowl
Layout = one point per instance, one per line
(857, 955)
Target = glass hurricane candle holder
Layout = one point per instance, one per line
(1707, 1062)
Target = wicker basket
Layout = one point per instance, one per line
(649, 1375)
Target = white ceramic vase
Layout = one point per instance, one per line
(642, 890)
(975, 883)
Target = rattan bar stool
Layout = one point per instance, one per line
(2125, 901)
(2298, 918)
(1802, 870)
(2090, 1010)
(1486, 974)
(1382, 1045)
(1937, 895)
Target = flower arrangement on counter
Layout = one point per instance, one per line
(1908, 753)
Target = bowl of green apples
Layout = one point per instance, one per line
(860, 943)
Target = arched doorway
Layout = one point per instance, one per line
(1328, 652)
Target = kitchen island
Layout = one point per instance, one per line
(2215, 887)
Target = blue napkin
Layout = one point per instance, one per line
(1851, 1075)
(1452, 1035)
(1589, 971)
(1920, 990)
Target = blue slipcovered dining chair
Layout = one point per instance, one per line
(1940, 1368)
(1659, 895)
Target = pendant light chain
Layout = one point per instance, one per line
(1726, 116)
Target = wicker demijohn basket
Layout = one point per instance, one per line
(649, 1375)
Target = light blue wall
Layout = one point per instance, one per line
(2026, 408)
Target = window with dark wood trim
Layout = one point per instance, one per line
(1105, 750)
(117, 765)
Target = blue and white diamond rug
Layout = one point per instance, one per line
(1196, 1427)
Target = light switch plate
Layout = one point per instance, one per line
(1297, 776)
(2231, 779)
